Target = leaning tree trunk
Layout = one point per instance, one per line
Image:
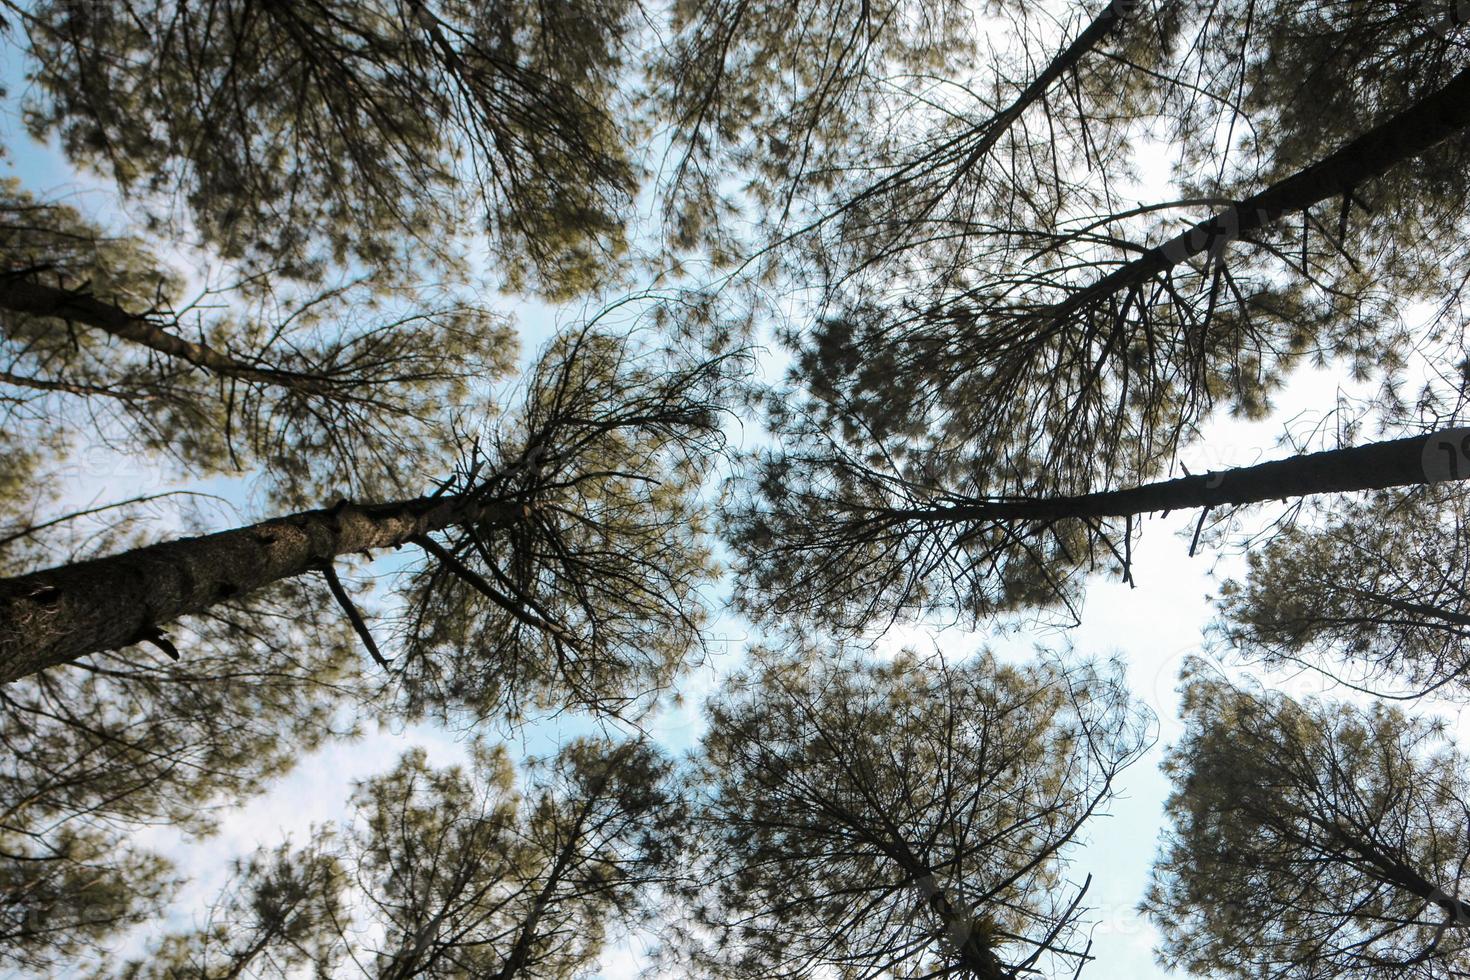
(25, 295)
(55, 616)
(1102, 25)
(992, 128)
(1396, 872)
(1417, 129)
(1443, 455)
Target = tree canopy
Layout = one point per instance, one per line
(456, 873)
(325, 390)
(908, 818)
(890, 313)
(1311, 840)
(1079, 351)
(295, 137)
(1375, 588)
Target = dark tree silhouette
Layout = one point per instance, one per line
(848, 542)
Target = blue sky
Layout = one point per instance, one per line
(1153, 627)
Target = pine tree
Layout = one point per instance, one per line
(903, 818)
(1071, 352)
(1374, 590)
(304, 136)
(1001, 339)
(572, 551)
(452, 873)
(852, 541)
(1311, 840)
(323, 389)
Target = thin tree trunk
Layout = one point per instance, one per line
(516, 959)
(969, 944)
(37, 299)
(1446, 616)
(58, 615)
(1396, 463)
(240, 962)
(1423, 125)
(997, 125)
(520, 951)
(408, 962)
(1102, 25)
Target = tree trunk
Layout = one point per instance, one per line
(1397, 463)
(970, 944)
(1102, 25)
(1426, 123)
(37, 299)
(1446, 617)
(58, 615)
(515, 960)
(1405, 877)
(994, 127)
(1396, 872)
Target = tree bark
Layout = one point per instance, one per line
(969, 944)
(1418, 128)
(55, 616)
(1377, 466)
(37, 299)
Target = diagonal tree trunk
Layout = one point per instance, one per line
(1388, 867)
(1102, 25)
(1447, 618)
(1420, 127)
(1396, 463)
(24, 295)
(526, 936)
(991, 129)
(55, 616)
(1410, 880)
(1109, 19)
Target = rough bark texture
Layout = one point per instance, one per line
(38, 299)
(1396, 463)
(1428, 122)
(55, 616)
